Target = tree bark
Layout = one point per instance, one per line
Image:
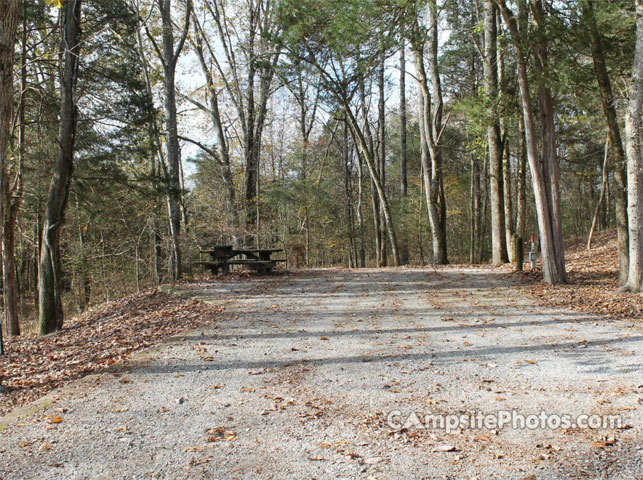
(601, 196)
(498, 239)
(379, 189)
(429, 158)
(170, 58)
(544, 175)
(551, 169)
(12, 196)
(404, 245)
(611, 119)
(382, 149)
(50, 272)
(521, 189)
(634, 142)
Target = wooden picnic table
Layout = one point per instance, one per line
(222, 256)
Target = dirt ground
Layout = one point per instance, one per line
(316, 375)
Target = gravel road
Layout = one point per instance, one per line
(316, 375)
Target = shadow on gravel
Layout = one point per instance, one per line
(445, 356)
(384, 331)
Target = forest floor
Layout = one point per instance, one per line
(311, 375)
(593, 280)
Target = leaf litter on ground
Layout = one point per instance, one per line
(93, 341)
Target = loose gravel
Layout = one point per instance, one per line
(311, 376)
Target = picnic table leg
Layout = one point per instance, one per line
(226, 268)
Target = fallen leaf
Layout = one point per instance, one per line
(444, 448)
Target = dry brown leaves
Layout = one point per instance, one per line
(93, 341)
(593, 276)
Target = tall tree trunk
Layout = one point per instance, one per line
(50, 272)
(429, 157)
(382, 149)
(498, 239)
(437, 126)
(611, 119)
(634, 142)
(379, 188)
(544, 175)
(360, 215)
(551, 169)
(506, 147)
(222, 150)
(521, 194)
(12, 196)
(404, 244)
(601, 196)
(9, 11)
(85, 282)
(474, 207)
(375, 199)
(172, 150)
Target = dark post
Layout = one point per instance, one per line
(517, 251)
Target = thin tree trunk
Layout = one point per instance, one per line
(611, 118)
(506, 147)
(50, 272)
(223, 157)
(382, 150)
(404, 244)
(544, 177)
(85, 283)
(521, 213)
(381, 193)
(498, 238)
(360, 215)
(601, 196)
(634, 142)
(430, 108)
(428, 158)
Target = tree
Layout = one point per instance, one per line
(544, 173)
(495, 147)
(50, 271)
(634, 143)
(613, 128)
(404, 180)
(9, 12)
(170, 56)
(12, 199)
(341, 52)
(430, 112)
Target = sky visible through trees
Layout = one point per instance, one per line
(139, 131)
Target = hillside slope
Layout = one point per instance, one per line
(593, 276)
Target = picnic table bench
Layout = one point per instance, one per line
(222, 256)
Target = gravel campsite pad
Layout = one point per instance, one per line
(317, 375)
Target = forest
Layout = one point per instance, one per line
(350, 133)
